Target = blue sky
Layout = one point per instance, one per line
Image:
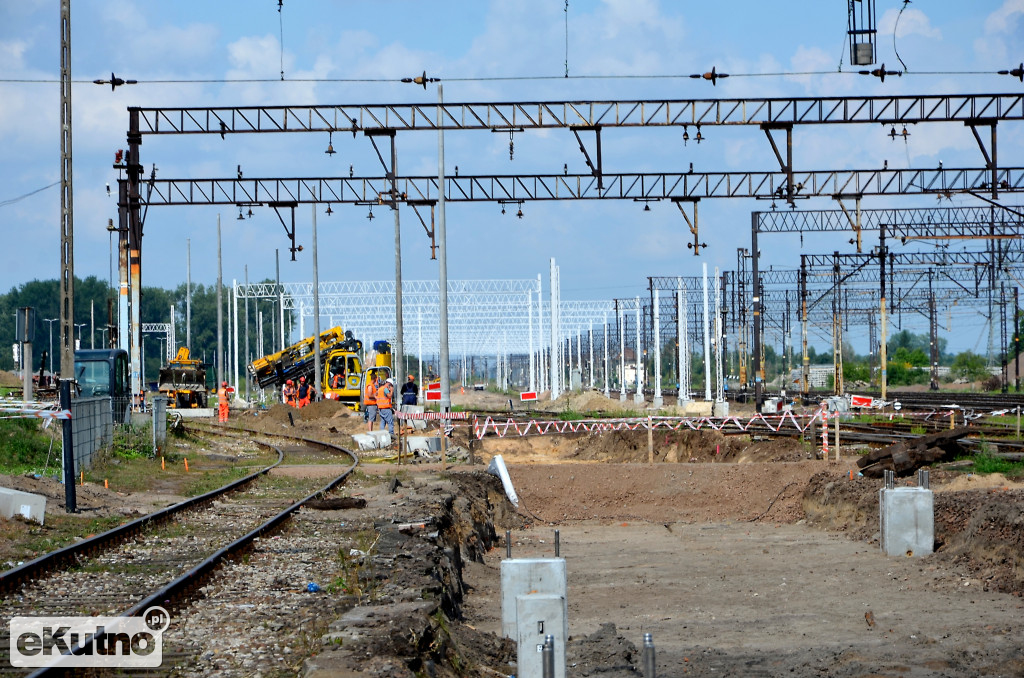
(605, 249)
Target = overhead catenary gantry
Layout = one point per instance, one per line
(486, 317)
(771, 115)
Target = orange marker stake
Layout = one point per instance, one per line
(162, 467)
(83, 478)
(105, 485)
(186, 464)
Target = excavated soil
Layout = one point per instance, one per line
(744, 558)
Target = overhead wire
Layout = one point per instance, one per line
(11, 201)
(497, 78)
(895, 28)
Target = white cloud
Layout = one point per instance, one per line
(1004, 19)
(909, 22)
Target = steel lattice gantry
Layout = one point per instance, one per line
(899, 109)
(995, 223)
(771, 115)
(486, 317)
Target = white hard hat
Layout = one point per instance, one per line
(391, 381)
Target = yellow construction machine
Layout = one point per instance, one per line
(183, 381)
(344, 374)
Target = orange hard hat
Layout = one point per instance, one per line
(301, 379)
(223, 383)
(289, 382)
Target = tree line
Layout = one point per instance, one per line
(95, 319)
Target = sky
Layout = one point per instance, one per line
(605, 249)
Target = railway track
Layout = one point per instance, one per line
(163, 558)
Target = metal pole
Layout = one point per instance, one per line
(397, 349)
(648, 656)
(707, 339)
(638, 397)
(446, 399)
(590, 336)
(606, 380)
(220, 313)
(248, 355)
(548, 670)
(280, 299)
(188, 293)
(67, 230)
(234, 332)
(755, 284)
(317, 367)
(68, 457)
(554, 336)
(529, 333)
(622, 352)
(882, 323)
(658, 402)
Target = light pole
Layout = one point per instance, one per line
(79, 340)
(51, 321)
(104, 331)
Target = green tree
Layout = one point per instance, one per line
(969, 365)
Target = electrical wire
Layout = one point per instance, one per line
(280, 21)
(567, 38)
(11, 201)
(506, 78)
(895, 28)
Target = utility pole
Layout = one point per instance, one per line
(67, 239)
(188, 293)
(220, 314)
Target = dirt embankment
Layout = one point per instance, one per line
(976, 528)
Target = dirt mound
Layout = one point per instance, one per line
(685, 446)
(590, 401)
(8, 379)
(978, 529)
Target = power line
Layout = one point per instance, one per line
(11, 201)
(507, 78)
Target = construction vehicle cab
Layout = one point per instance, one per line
(183, 381)
(104, 372)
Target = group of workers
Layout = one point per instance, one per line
(300, 396)
(379, 400)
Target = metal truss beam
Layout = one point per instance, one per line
(935, 222)
(650, 186)
(519, 116)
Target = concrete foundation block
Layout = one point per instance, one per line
(540, 615)
(907, 521)
(382, 438)
(698, 408)
(720, 408)
(424, 444)
(535, 576)
(365, 441)
(26, 504)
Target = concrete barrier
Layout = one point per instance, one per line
(26, 504)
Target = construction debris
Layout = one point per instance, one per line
(906, 456)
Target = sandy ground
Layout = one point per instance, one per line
(670, 550)
(767, 600)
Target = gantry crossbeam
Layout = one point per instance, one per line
(968, 222)
(646, 186)
(896, 110)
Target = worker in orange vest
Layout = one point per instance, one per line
(385, 398)
(288, 393)
(222, 402)
(370, 400)
(304, 393)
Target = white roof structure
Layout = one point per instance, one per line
(485, 317)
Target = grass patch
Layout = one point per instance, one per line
(25, 540)
(986, 463)
(25, 447)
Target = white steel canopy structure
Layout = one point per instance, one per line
(485, 317)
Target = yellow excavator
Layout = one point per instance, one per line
(183, 381)
(344, 374)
